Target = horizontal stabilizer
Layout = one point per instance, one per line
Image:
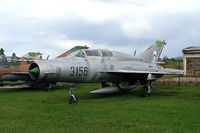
(160, 63)
(174, 71)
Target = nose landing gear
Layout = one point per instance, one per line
(72, 98)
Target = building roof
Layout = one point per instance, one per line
(191, 50)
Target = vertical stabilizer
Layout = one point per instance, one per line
(152, 53)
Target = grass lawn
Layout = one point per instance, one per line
(168, 110)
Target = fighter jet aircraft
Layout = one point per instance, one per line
(124, 72)
(14, 70)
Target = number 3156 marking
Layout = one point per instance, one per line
(79, 71)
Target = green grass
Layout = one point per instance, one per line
(172, 63)
(168, 110)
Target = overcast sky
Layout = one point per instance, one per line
(54, 26)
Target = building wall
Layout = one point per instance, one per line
(192, 65)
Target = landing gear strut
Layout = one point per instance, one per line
(147, 89)
(72, 98)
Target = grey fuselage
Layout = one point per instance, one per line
(93, 69)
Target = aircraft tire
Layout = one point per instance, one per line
(76, 100)
(145, 92)
(73, 100)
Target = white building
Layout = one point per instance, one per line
(191, 61)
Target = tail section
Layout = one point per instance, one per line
(152, 53)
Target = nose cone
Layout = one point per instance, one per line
(35, 71)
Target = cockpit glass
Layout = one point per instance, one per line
(106, 53)
(80, 54)
(92, 53)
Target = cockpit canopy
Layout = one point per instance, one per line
(80, 54)
(94, 53)
(106, 53)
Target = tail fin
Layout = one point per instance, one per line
(152, 53)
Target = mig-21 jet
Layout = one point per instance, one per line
(122, 71)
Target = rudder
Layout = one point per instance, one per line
(152, 53)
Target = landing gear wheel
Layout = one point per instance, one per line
(73, 100)
(147, 89)
(48, 87)
(145, 92)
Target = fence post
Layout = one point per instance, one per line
(179, 80)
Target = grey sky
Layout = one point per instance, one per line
(54, 26)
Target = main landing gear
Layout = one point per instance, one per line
(72, 98)
(147, 89)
